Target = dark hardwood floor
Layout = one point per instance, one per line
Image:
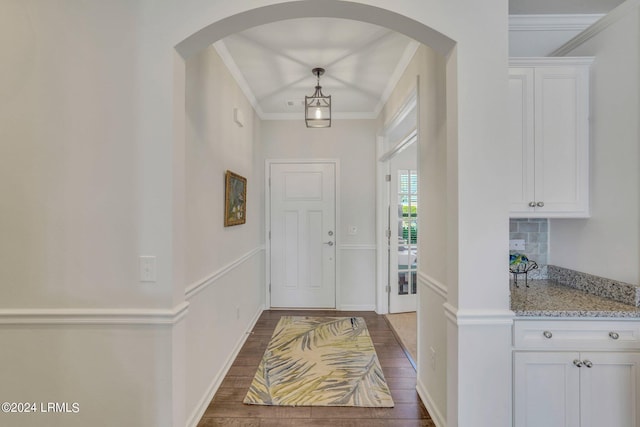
(227, 409)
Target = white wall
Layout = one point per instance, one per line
(434, 239)
(93, 177)
(224, 265)
(608, 243)
(352, 142)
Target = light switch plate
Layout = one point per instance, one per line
(147, 268)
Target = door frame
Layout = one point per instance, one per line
(267, 223)
(410, 105)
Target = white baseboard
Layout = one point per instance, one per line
(198, 412)
(436, 415)
(358, 307)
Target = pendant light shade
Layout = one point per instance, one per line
(317, 107)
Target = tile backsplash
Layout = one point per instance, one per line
(535, 233)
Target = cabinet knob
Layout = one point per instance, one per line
(540, 204)
(587, 363)
(547, 334)
(577, 363)
(614, 335)
(532, 204)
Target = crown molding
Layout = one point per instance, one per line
(547, 61)
(231, 65)
(334, 116)
(612, 17)
(552, 22)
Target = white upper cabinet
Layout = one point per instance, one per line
(549, 137)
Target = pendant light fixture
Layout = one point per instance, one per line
(317, 107)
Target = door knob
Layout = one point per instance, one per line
(532, 204)
(588, 363)
(328, 243)
(540, 204)
(578, 363)
(330, 233)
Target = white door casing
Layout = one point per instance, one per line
(302, 201)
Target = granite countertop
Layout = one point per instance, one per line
(546, 298)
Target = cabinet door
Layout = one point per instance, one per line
(521, 148)
(546, 389)
(561, 140)
(609, 390)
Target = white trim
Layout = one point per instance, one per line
(202, 284)
(477, 317)
(202, 405)
(227, 59)
(428, 402)
(568, 22)
(612, 17)
(358, 247)
(403, 63)
(267, 221)
(334, 116)
(358, 307)
(433, 284)
(550, 62)
(407, 107)
(405, 142)
(93, 316)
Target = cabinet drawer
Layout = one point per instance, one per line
(576, 335)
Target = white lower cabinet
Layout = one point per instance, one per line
(576, 389)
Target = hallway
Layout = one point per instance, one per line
(227, 409)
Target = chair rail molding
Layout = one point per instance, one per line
(477, 317)
(93, 316)
(210, 280)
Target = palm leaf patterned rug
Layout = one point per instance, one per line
(320, 361)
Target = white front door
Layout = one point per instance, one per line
(303, 250)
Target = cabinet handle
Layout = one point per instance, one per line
(547, 334)
(578, 363)
(532, 204)
(328, 243)
(540, 204)
(587, 363)
(614, 335)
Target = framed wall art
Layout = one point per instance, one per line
(235, 199)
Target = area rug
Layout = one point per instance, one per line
(320, 361)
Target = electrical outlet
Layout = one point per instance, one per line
(516, 244)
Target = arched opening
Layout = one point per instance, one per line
(441, 50)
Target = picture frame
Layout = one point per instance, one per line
(235, 199)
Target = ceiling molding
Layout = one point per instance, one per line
(612, 17)
(334, 116)
(231, 65)
(552, 22)
(407, 56)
